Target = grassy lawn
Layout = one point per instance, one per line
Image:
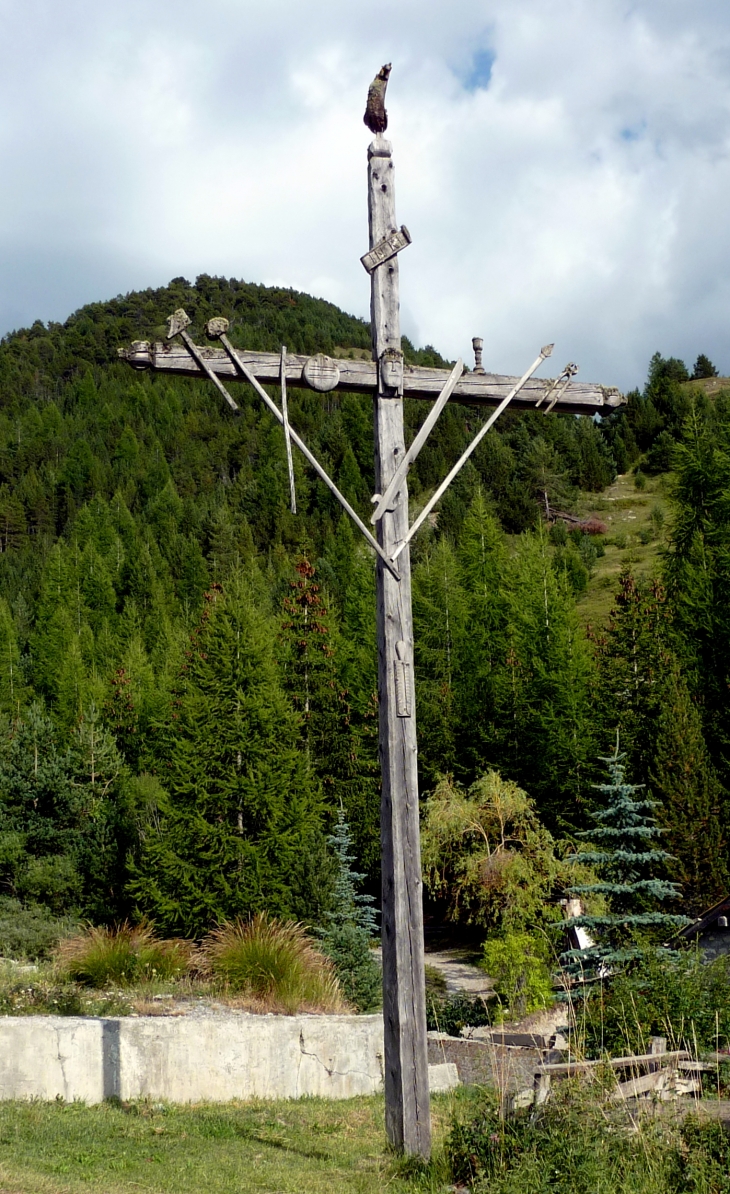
(304, 1147)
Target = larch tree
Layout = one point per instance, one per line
(240, 830)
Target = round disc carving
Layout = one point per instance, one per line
(321, 373)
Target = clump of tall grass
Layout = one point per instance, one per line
(272, 963)
(123, 956)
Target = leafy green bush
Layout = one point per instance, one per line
(30, 932)
(684, 999)
(487, 855)
(274, 963)
(517, 965)
(576, 1144)
(452, 1013)
(123, 957)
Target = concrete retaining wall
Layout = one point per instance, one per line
(181, 1059)
(186, 1059)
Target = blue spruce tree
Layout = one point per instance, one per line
(351, 927)
(625, 854)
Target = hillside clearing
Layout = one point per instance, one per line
(628, 513)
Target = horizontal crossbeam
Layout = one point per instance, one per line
(361, 377)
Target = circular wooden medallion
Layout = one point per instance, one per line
(321, 373)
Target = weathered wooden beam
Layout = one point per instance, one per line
(407, 1113)
(361, 377)
(566, 1069)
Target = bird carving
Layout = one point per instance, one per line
(376, 117)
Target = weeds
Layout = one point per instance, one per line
(576, 1144)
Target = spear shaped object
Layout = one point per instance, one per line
(555, 392)
(544, 353)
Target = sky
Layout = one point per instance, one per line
(563, 166)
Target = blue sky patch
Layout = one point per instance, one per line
(633, 132)
(481, 70)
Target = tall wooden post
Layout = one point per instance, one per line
(407, 1113)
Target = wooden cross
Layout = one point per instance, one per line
(388, 379)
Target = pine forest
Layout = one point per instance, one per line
(188, 692)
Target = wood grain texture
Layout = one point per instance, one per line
(361, 377)
(407, 1111)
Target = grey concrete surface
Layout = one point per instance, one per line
(203, 1058)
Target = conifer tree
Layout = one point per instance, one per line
(697, 565)
(241, 829)
(483, 571)
(703, 368)
(439, 623)
(544, 712)
(42, 816)
(351, 926)
(691, 803)
(634, 660)
(13, 689)
(330, 726)
(623, 849)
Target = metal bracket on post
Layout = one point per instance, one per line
(402, 681)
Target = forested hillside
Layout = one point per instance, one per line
(188, 672)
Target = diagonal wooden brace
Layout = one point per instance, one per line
(402, 470)
(271, 405)
(544, 352)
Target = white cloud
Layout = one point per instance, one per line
(578, 197)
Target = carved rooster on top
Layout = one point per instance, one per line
(376, 117)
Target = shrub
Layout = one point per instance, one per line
(452, 1013)
(350, 927)
(123, 956)
(684, 999)
(488, 857)
(30, 932)
(576, 1142)
(517, 965)
(358, 973)
(639, 480)
(273, 963)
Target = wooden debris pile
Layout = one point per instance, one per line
(660, 1074)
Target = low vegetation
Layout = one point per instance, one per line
(273, 964)
(263, 965)
(121, 957)
(578, 1143)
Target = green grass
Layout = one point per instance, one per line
(627, 512)
(304, 1147)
